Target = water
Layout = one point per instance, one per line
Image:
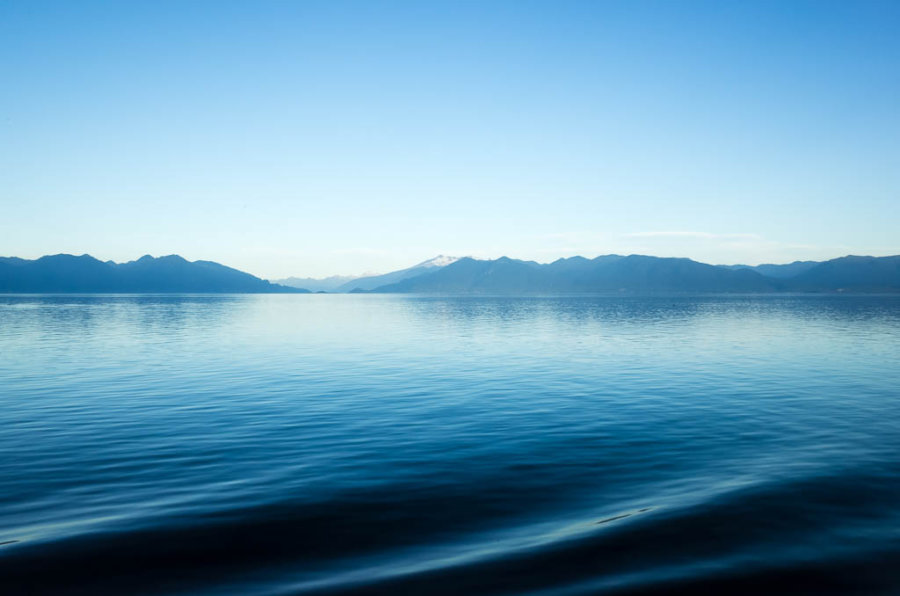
(430, 445)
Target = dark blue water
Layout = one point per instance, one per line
(422, 445)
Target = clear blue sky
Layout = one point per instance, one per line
(307, 138)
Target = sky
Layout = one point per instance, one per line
(320, 138)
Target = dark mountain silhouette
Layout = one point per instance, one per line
(68, 273)
(785, 271)
(851, 274)
(604, 274)
(610, 273)
(637, 273)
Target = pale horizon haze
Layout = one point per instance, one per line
(312, 139)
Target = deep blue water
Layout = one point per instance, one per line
(361, 444)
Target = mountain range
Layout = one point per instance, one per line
(340, 283)
(68, 273)
(633, 273)
(324, 284)
(779, 271)
(451, 275)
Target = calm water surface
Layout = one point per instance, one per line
(359, 444)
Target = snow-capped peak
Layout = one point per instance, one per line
(438, 261)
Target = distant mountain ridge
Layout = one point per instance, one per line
(71, 274)
(785, 271)
(325, 284)
(452, 275)
(855, 273)
(638, 273)
(610, 273)
(374, 281)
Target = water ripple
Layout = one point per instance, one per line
(428, 445)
